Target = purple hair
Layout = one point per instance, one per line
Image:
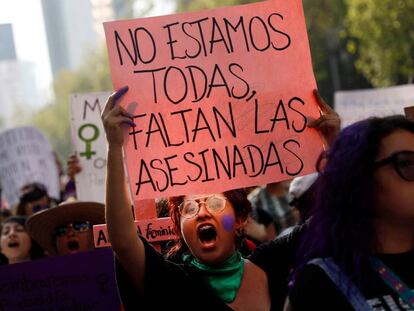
(343, 211)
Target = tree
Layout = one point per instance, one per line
(54, 118)
(333, 65)
(192, 5)
(384, 31)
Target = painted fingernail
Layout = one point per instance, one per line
(128, 123)
(120, 92)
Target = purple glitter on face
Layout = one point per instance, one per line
(228, 223)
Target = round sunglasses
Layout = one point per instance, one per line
(191, 208)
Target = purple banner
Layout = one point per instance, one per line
(80, 282)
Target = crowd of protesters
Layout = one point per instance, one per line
(338, 239)
(341, 238)
(352, 247)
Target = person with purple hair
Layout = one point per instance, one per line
(358, 250)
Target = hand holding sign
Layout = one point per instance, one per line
(74, 166)
(225, 95)
(113, 116)
(329, 123)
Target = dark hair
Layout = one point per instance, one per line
(36, 251)
(342, 223)
(31, 192)
(305, 202)
(237, 198)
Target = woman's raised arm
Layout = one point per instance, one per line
(119, 219)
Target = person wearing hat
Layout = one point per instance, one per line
(67, 228)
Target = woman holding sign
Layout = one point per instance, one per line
(358, 250)
(213, 275)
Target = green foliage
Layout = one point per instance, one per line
(333, 64)
(54, 118)
(385, 33)
(195, 5)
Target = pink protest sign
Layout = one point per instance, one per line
(145, 209)
(154, 230)
(409, 113)
(220, 98)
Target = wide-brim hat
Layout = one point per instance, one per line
(41, 226)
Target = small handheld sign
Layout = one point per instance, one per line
(90, 145)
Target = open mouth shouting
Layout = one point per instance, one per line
(207, 235)
(13, 244)
(73, 246)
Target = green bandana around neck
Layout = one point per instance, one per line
(224, 280)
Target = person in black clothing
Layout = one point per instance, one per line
(213, 275)
(358, 250)
(278, 258)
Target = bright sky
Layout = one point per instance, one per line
(29, 35)
(161, 7)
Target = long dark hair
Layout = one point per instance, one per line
(342, 223)
(36, 251)
(237, 198)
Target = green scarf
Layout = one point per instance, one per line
(224, 280)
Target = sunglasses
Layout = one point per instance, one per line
(403, 163)
(76, 226)
(191, 208)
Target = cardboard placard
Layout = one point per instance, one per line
(353, 106)
(409, 113)
(26, 156)
(88, 137)
(220, 98)
(153, 230)
(83, 281)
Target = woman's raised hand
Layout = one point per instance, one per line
(74, 166)
(113, 116)
(329, 123)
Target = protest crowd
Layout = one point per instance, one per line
(193, 211)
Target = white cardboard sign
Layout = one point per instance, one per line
(354, 106)
(88, 137)
(25, 157)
